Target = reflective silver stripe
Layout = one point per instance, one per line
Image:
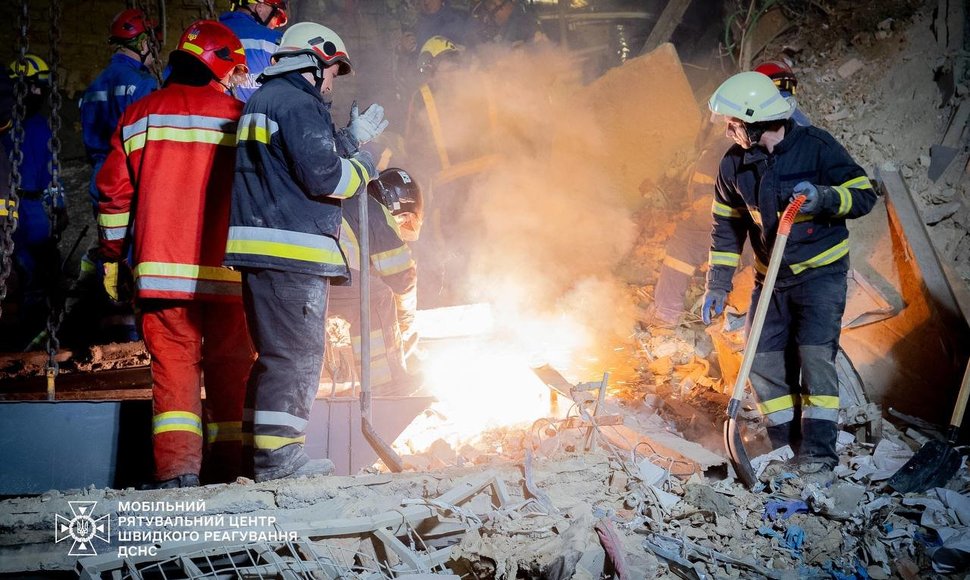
(179, 122)
(347, 172)
(258, 44)
(256, 127)
(280, 418)
(112, 234)
(784, 416)
(188, 285)
(820, 413)
(95, 97)
(281, 236)
(771, 100)
(124, 90)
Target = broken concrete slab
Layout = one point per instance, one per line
(851, 67)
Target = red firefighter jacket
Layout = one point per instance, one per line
(165, 189)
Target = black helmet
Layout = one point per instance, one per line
(400, 193)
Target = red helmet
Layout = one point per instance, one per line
(129, 24)
(215, 45)
(780, 73)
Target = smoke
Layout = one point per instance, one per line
(542, 230)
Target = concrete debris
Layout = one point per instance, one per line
(935, 214)
(781, 455)
(850, 68)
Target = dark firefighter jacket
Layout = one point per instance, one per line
(753, 188)
(288, 183)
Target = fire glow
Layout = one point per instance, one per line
(480, 371)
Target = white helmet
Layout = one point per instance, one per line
(317, 41)
(751, 97)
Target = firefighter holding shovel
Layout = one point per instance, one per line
(773, 161)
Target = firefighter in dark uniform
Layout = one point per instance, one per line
(774, 159)
(395, 214)
(292, 171)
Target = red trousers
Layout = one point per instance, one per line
(189, 340)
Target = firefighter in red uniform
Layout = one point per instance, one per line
(169, 174)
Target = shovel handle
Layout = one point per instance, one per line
(957, 418)
(761, 310)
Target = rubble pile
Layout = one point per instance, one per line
(560, 512)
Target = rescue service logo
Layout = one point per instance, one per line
(82, 528)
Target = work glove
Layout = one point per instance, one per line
(812, 203)
(714, 299)
(367, 125)
(117, 281)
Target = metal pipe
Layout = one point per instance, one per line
(383, 450)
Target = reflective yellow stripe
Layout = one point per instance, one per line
(348, 243)
(272, 442)
(209, 136)
(723, 210)
(845, 200)
(113, 220)
(725, 259)
(283, 250)
(194, 48)
(177, 421)
(822, 401)
(256, 127)
(224, 431)
(861, 182)
(827, 257)
(678, 265)
(435, 121)
(186, 271)
(393, 261)
(775, 405)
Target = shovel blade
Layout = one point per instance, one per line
(738, 454)
(933, 465)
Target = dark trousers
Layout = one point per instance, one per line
(793, 374)
(285, 312)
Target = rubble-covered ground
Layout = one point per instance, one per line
(560, 513)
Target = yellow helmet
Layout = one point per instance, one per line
(34, 69)
(433, 48)
(751, 97)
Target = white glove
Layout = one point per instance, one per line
(365, 127)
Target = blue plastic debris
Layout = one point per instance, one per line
(775, 509)
(795, 538)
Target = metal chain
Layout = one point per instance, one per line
(210, 9)
(54, 197)
(152, 42)
(16, 152)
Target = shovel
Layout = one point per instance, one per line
(391, 459)
(936, 462)
(732, 436)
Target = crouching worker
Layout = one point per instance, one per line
(170, 172)
(395, 212)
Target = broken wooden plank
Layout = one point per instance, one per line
(668, 22)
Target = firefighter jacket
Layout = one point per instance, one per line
(166, 186)
(753, 188)
(260, 43)
(390, 256)
(123, 82)
(289, 182)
